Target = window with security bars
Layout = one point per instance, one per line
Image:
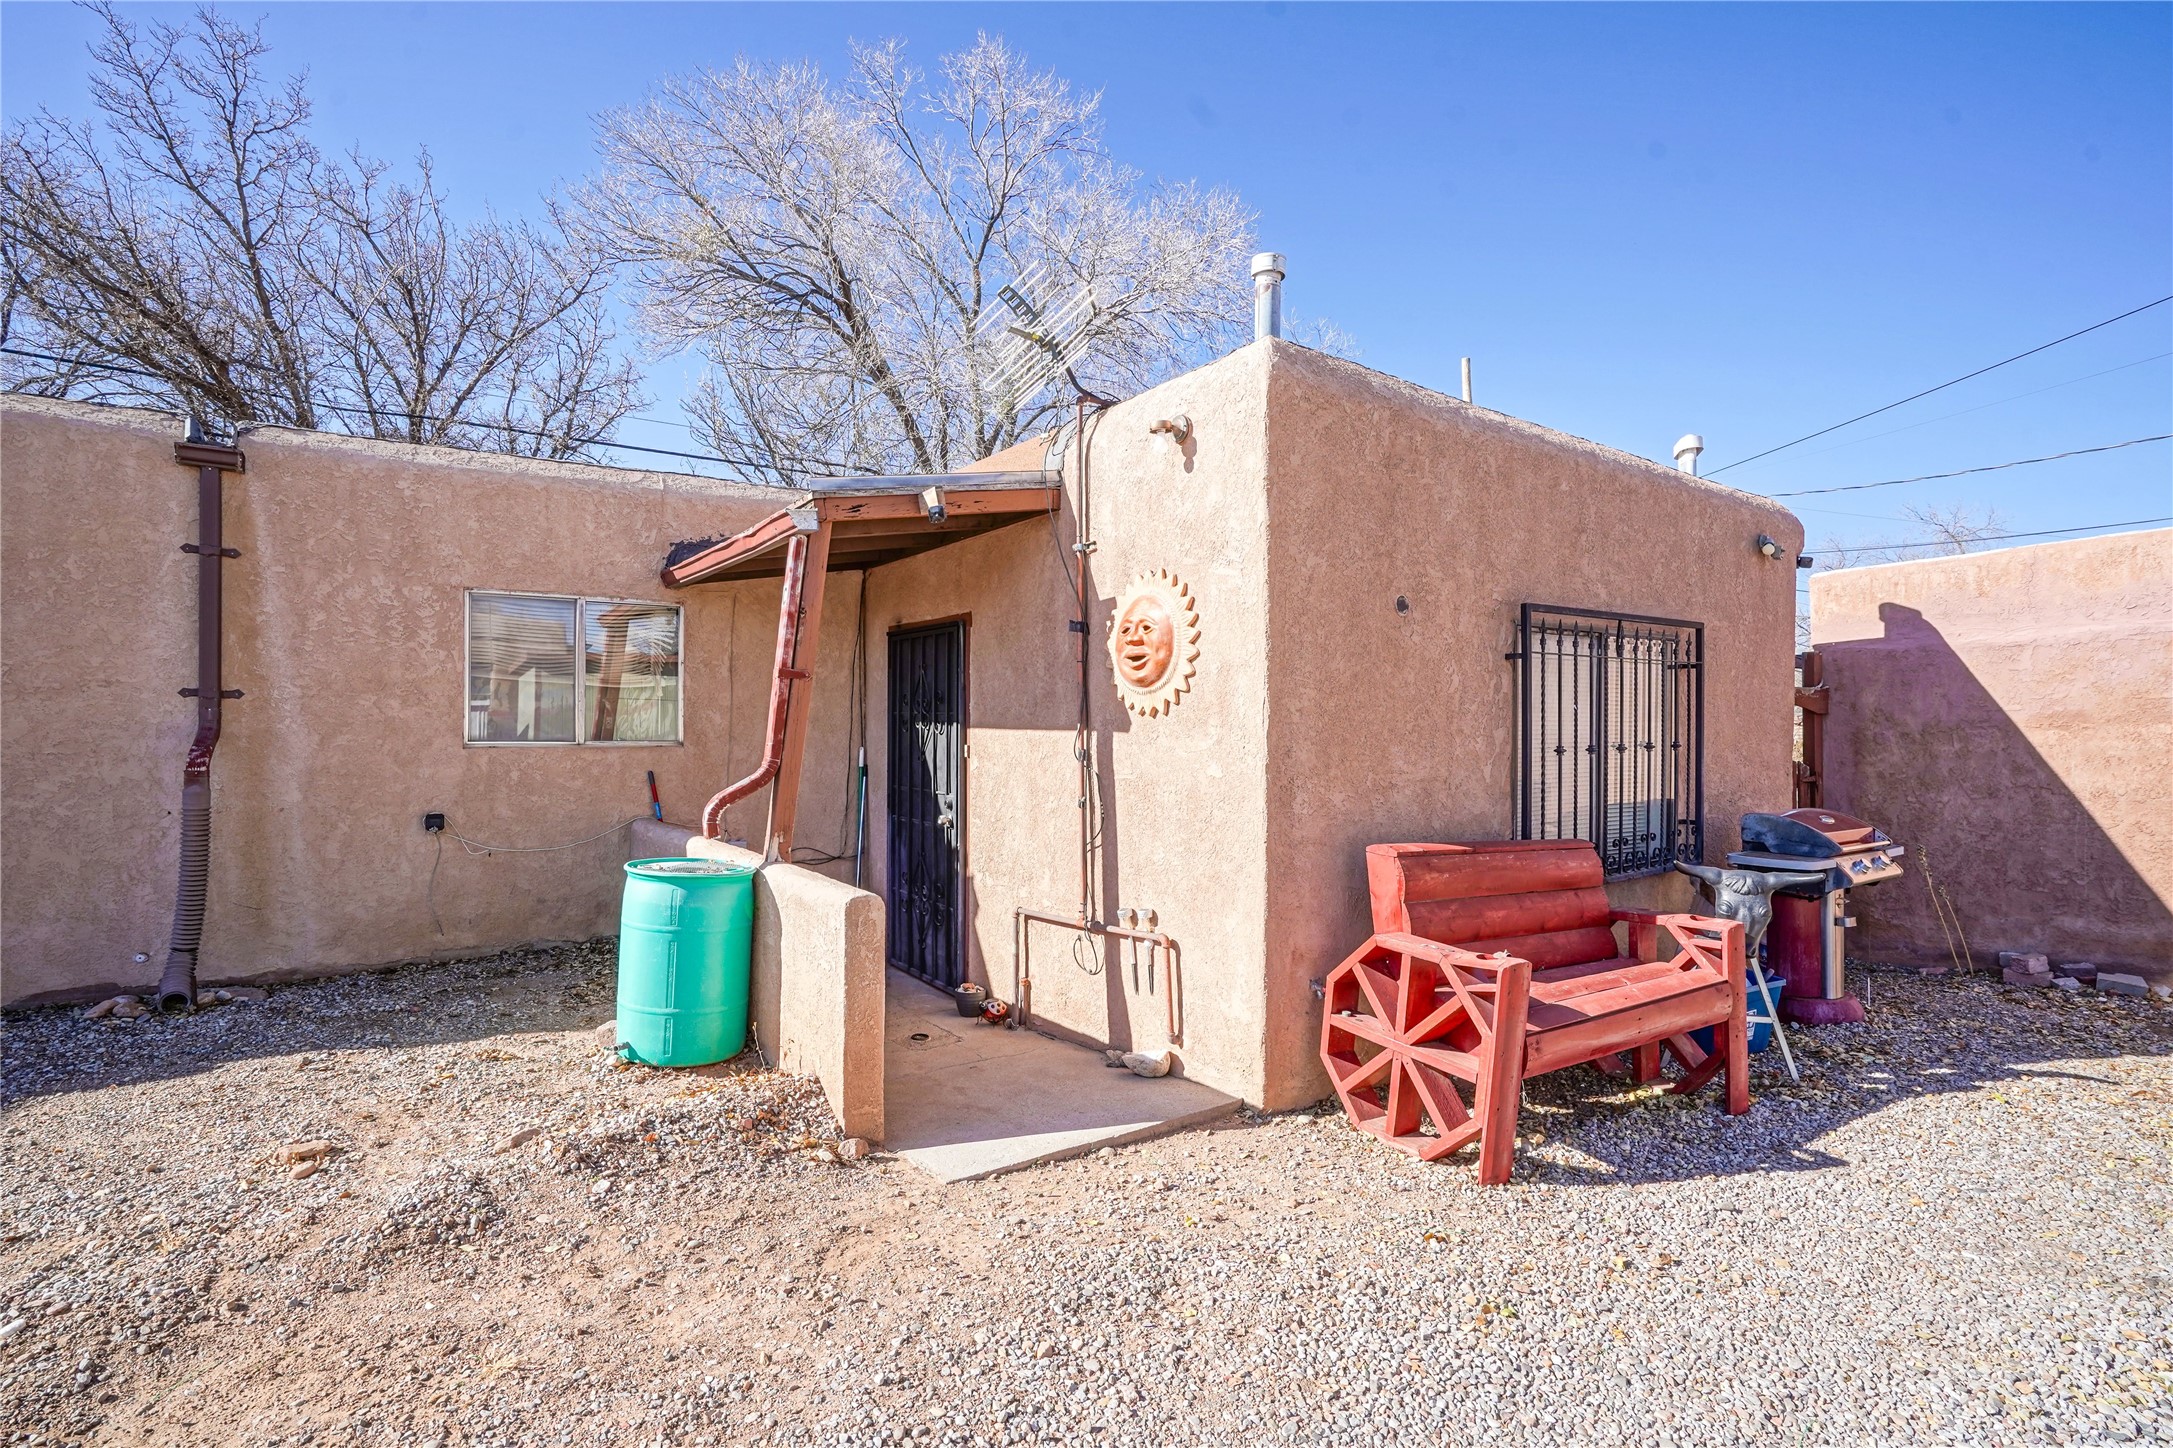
(1610, 735)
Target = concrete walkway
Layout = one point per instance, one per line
(964, 1101)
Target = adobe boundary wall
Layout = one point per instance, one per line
(2008, 717)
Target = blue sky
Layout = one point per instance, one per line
(1748, 222)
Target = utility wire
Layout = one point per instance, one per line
(1965, 472)
(1996, 402)
(1769, 452)
(822, 468)
(1998, 537)
(477, 847)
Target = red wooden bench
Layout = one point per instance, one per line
(1496, 961)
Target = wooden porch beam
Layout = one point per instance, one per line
(961, 503)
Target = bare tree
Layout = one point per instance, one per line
(829, 248)
(1956, 528)
(194, 249)
(484, 336)
(168, 240)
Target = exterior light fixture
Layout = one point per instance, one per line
(1767, 546)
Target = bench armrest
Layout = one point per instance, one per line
(1455, 957)
(1509, 978)
(1701, 934)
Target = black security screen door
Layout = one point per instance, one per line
(927, 732)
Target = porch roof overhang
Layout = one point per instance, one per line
(872, 521)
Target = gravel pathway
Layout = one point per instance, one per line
(1956, 1230)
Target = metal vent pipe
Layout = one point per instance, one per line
(1267, 295)
(1687, 448)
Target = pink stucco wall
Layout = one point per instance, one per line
(1387, 725)
(345, 630)
(1182, 817)
(2008, 716)
(1312, 493)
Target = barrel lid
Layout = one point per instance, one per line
(685, 866)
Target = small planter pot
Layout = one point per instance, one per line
(969, 998)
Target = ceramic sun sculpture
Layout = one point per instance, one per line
(1154, 642)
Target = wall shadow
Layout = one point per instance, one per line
(1918, 745)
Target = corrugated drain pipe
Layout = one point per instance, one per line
(212, 461)
(773, 746)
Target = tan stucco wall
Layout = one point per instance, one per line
(1183, 820)
(817, 974)
(1320, 721)
(1387, 726)
(344, 620)
(2009, 715)
(1310, 494)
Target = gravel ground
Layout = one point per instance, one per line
(1956, 1230)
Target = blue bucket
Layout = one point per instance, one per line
(1761, 1035)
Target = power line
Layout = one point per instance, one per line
(1996, 402)
(1997, 537)
(1965, 472)
(832, 469)
(1769, 452)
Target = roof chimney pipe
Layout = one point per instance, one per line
(1267, 295)
(1687, 448)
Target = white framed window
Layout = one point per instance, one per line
(549, 669)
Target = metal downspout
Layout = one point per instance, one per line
(773, 748)
(177, 984)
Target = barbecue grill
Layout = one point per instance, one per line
(1808, 941)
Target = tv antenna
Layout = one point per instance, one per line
(1032, 334)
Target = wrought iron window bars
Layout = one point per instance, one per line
(1610, 735)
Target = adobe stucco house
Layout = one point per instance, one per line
(1363, 562)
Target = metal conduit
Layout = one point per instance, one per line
(773, 746)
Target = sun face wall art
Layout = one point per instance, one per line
(1154, 642)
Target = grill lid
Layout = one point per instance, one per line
(1810, 834)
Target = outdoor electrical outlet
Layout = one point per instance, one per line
(433, 822)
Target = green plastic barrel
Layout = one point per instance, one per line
(685, 930)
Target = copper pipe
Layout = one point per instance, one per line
(773, 749)
(1022, 968)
